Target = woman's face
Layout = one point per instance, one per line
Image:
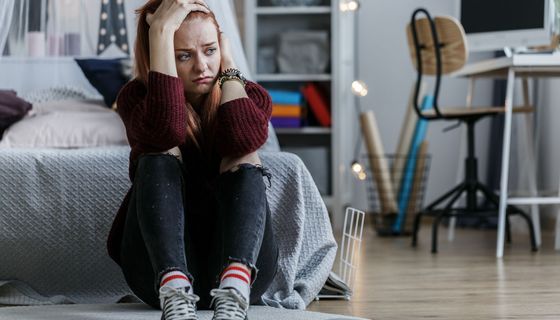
(197, 56)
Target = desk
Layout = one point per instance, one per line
(518, 66)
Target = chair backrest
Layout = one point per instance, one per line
(453, 44)
(437, 46)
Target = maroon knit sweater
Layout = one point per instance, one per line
(155, 121)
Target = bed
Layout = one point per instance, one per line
(58, 203)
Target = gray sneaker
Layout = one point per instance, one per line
(177, 304)
(228, 304)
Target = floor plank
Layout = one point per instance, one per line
(463, 281)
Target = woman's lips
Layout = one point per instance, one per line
(202, 80)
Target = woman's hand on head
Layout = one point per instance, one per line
(225, 50)
(171, 13)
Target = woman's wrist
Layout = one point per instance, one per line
(159, 30)
(162, 55)
(228, 65)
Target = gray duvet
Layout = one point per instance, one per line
(57, 207)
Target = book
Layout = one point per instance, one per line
(286, 110)
(411, 159)
(378, 163)
(335, 287)
(285, 96)
(318, 103)
(285, 122)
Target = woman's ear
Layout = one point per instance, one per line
(149, 18)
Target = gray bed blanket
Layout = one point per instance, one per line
(57, 207)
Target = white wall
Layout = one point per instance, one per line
(548, 166)
(385, 66)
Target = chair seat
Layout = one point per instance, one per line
(463, 112)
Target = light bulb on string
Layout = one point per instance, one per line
(359, 88)
(353, 5)
(349, 5)
(357, 167)
(362, 176)
(358, 170)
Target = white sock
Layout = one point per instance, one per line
(176, 279)
(237, 277)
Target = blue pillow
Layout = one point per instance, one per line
(108, 76)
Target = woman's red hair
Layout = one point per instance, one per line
(200, 128)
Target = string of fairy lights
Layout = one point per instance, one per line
(360, 90)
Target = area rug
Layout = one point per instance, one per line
(136, 311)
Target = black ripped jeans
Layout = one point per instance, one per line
(168, 229)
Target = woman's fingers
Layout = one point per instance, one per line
(174, 12)
(200, 2)
(195, 7)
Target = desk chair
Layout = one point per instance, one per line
(438, 47)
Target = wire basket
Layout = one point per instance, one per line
(341, 285)
(395, 191)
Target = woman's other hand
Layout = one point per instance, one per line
(171, 13)
(225, 50)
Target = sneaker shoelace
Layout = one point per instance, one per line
(178, 304)
(228, 305)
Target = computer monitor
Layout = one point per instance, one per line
(498, 24)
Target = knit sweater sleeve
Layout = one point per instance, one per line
(242, 124)
(154, 115)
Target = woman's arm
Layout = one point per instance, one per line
(154, 114)
(231, 90)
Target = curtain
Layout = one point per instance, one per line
(6, 10)
(72, 27)
(18, 28)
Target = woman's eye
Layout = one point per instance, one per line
(183, 56)
(211, 50)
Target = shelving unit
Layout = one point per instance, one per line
(327, 152)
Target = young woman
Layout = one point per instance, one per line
(195, 227)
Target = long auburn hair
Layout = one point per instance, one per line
(200, 129)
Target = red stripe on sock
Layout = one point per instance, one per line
(177, 276)
(234, 275)
(238, 269)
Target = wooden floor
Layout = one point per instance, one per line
(463, 281)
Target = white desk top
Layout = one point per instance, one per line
(537, 64)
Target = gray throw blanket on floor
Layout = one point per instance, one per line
(58, 206)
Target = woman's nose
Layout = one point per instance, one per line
(200, 64)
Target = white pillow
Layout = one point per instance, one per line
(66, 124)
(74, 105)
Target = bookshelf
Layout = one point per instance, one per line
(326, 151)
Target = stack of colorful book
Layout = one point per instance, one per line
(286, 108)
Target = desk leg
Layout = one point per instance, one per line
(505, 164)
(531, 162)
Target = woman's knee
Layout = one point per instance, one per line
(233, 163)
(157, 162)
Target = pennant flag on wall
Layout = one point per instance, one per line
(112, 26)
